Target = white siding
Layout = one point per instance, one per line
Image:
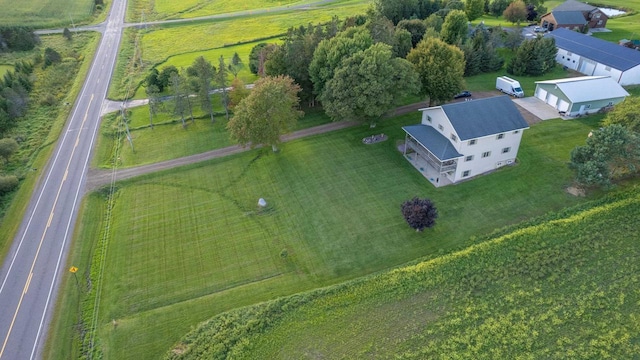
(587, 67)
(438, 117)
(630, 77)
(571, 61)
(603, 70)
(490, 143)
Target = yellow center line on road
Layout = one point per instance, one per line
(35, 258)
(26, 286)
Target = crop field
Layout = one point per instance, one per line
(44, 13)
(165, 42)
(567, 286)
(167, 9)
(190, 243)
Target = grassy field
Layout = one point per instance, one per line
(567, 286)
(189, 243)
(45, 13)
(165, 42)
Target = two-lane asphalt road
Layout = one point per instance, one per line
(36, 261)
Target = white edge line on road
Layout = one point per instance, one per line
(64, 241)
(44, 185)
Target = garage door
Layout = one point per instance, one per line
(587, 67)
(552, 100)
(563, 105)
(541, 94)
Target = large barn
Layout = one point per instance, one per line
(593, 56)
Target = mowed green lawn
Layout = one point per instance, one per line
(190, 243)
(565, 287)
(44, 13)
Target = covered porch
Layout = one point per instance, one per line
(431, 154)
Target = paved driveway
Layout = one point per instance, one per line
(537, 107)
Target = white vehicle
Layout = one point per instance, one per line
(509, 86)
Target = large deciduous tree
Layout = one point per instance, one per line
(268, 112)
(516, 12)
(201, 74)
(626, 113)
(455, 28)
(611, 153)
(419, 213)
(330, 53)
(368, 84)
(440, 67)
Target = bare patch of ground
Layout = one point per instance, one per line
(576, 191)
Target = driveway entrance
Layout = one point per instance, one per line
(537, 107)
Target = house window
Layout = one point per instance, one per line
(599, 22)
(454, 138)
(516, 132)
(607, 68)
(598, 17)
(506, 150)
(500, 136)
(468, 158)
(486, 154)
(473, 142)
(428, 118)
(440, 127)
(466, 173)
(610, 103)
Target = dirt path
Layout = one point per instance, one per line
(98, 177)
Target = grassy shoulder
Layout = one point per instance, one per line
(40, 128)
(189, 243)
(565, 285)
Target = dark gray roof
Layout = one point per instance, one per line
(433, 140)
(483, 117)
(604, 52)
(573, 5)
(569, 17)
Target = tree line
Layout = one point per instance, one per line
(360, 67)
(17, 38)
(14, 94)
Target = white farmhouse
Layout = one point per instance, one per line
(593, 56)
(458, 141)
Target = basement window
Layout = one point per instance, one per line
(466, 173)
